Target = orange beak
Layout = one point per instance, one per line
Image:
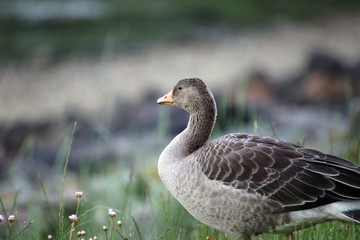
(166, 100)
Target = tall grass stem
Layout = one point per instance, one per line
(61, 204)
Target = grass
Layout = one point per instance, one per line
(133, 191)
(61, 203)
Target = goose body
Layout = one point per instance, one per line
(244, 184)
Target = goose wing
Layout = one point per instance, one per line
(297, 177)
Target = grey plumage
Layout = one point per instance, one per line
(245, 184)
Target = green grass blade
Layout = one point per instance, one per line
(61, 204)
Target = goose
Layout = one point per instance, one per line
(246, 185)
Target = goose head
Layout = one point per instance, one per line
(190, 94)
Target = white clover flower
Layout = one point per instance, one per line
(112, 213)
(11, 218)
(50, 237)
(73, 218)
(79, 194)
(105, 228)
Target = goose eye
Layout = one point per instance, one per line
(179, 87)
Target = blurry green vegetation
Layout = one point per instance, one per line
(134, 23)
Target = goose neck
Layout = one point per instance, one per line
(199, 129)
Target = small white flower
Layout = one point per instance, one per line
(112, 213)
(73, 218)
(11, 218)
(50, 237)
(1, 218)
(105, 228)
(95, 238)
(79, 194)
(119, 223)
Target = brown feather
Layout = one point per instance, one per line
(293, 175)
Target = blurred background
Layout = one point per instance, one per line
(289, 69)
